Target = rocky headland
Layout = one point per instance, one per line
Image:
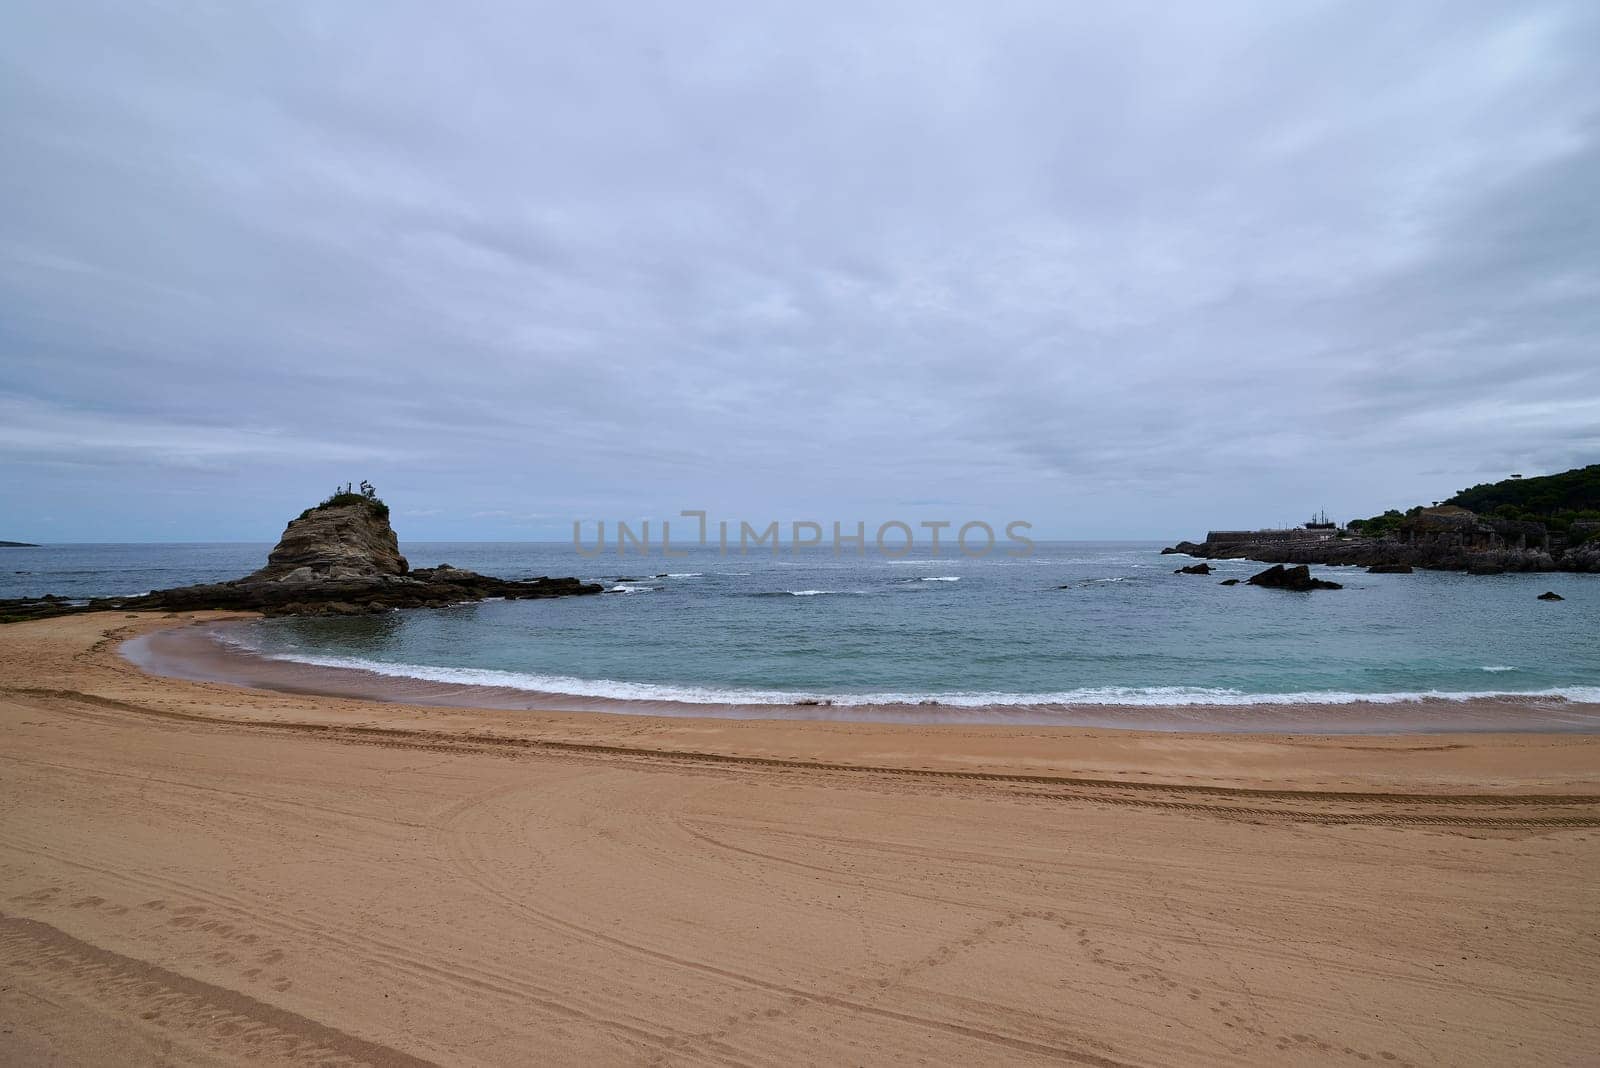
(1445, 538)
(339, 558)
(1536, 524)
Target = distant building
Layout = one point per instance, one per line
(1318, 528)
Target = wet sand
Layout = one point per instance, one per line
(196, 872)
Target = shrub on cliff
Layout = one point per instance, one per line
(367, 494)
(1378, 525)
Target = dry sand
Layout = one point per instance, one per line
(199, 873)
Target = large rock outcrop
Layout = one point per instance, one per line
(341, 542)
(341, 558)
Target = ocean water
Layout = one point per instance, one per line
(1074, 623)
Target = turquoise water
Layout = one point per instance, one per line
(962, 632)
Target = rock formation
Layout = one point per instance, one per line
(336, 559)
(1194, 569)
(1551, 595)
(350, 541)
(1390, 569)
(1278, 577)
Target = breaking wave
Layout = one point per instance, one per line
(1151, 696)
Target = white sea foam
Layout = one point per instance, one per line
(942, 578)
(624, 588)
(1146, 696)
(685, 574)
(1497, 667)
(806, 593)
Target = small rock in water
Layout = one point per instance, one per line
(1551, 595)
(1194, 569)
(1228, 582)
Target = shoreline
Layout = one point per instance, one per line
(81, 655)
(199, 653)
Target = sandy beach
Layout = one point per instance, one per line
(199, 873)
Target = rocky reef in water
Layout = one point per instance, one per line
(339, 558)
(1298, 578)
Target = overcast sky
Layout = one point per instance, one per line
(1117, 270)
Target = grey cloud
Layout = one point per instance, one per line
(1121, 271)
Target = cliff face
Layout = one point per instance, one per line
(1447, 538)
(344, 542)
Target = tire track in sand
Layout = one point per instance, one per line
(456, 840)
(1225, 802)
(208, 1016)
(511, 991)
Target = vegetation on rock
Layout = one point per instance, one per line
(1557, 501)
(1380, 525)
(364, 494)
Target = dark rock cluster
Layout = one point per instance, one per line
(1278, 577)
